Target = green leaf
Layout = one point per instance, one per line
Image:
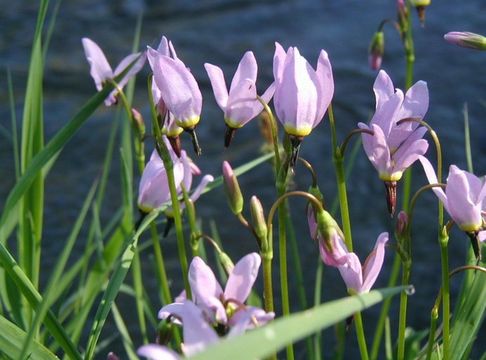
(276, 335)
(11, 339)
(468, 317)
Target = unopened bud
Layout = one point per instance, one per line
(258, 218)
(327, 227)
(466, 39)
(112, 356)
(138, 122)
(376, 50)
(402, 224)
(232, 188)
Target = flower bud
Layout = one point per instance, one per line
(138, 122)
(232, 188)
(466, 39)
(402, 224)
(258, 218)
(327, 227)
(376, 50)
(112, 356)
(226, 261)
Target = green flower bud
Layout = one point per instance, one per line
(258, 218)
(233, 192)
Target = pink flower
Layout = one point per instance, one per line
(333, 250)
(101, 70)
(178, 87)
(463, 198)
(393, 148)
(165, 48)
(154, 188)
(240, 105)
(226, 307)
(302, 94)
(197, 333)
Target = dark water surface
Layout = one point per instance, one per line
(219, 32)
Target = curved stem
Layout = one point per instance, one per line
(309, 167)
(348, 138)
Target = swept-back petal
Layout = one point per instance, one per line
(139, 60)
(206, 179)
(203, 282)
(385, 115)
(243, 104)
(179, 89)
(383, 88)
(432, 178)
(157, 352)
(242, 278)
(295, 98)
(337, 256)
(379, 154)
(163, 48)
(278, 62)
(462, 206)
(415, 104)
(248, 318)
(100, 69)
(218, 83)
(374, 263)
(408, 153)
(351, 272)
(247, 69)
(197, 332)
(325, 85)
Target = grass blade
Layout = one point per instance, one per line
(276, 335)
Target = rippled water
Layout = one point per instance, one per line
(219, 32)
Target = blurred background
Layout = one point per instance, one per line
(219, 32)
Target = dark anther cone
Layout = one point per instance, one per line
(168, 225)
(175, 143)
(473, 236)
(349, 322)
(228, 135)
(195, 141)
(295, 141)
(421, 14)
(391, 196)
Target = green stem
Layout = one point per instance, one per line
(385, 309)
(402, 322)
(434, 315)
(163, 152)
(159, 260)
(338, 159)
(317, 301)
(444, 240)
(358, 321)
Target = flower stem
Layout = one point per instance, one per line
(385, 309)
(443, 241)
(169, 168)
(402, 322)
(159, 260)
(338, 160)
(363, 349)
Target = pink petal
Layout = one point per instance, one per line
(216, 77)
(325, 85)
(201, 187)
(383, 88)
(351, 272)
(203, 282)
(378, 151)
(157, 352)
(462, 206)
(386, 115)
(247, 69)
(296, 95)
(248, 318)
(481, 236)
(242, 278)
(432, 178)
(163, 48)
(100, 70)
(415, 103)
(408, 153)
(374, 263)
(179, 90)
(278, 62)
(139, 60)
(187, 171)
(197, 332)
(337, 256)
(243, 104)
